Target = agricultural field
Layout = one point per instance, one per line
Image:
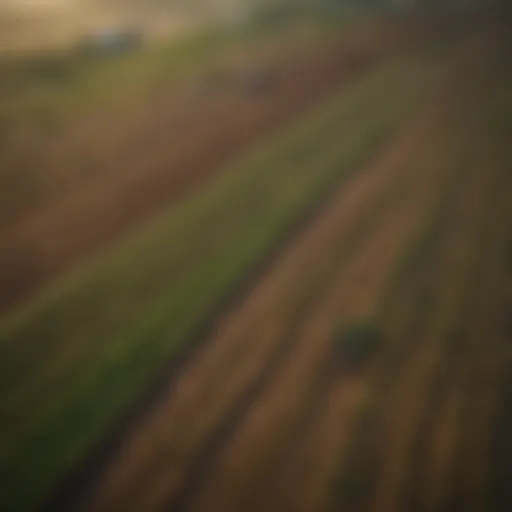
(286, 289)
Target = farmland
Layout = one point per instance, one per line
(167, 338)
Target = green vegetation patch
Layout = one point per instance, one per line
(356, 341)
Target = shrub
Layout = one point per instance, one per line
(356, 341)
